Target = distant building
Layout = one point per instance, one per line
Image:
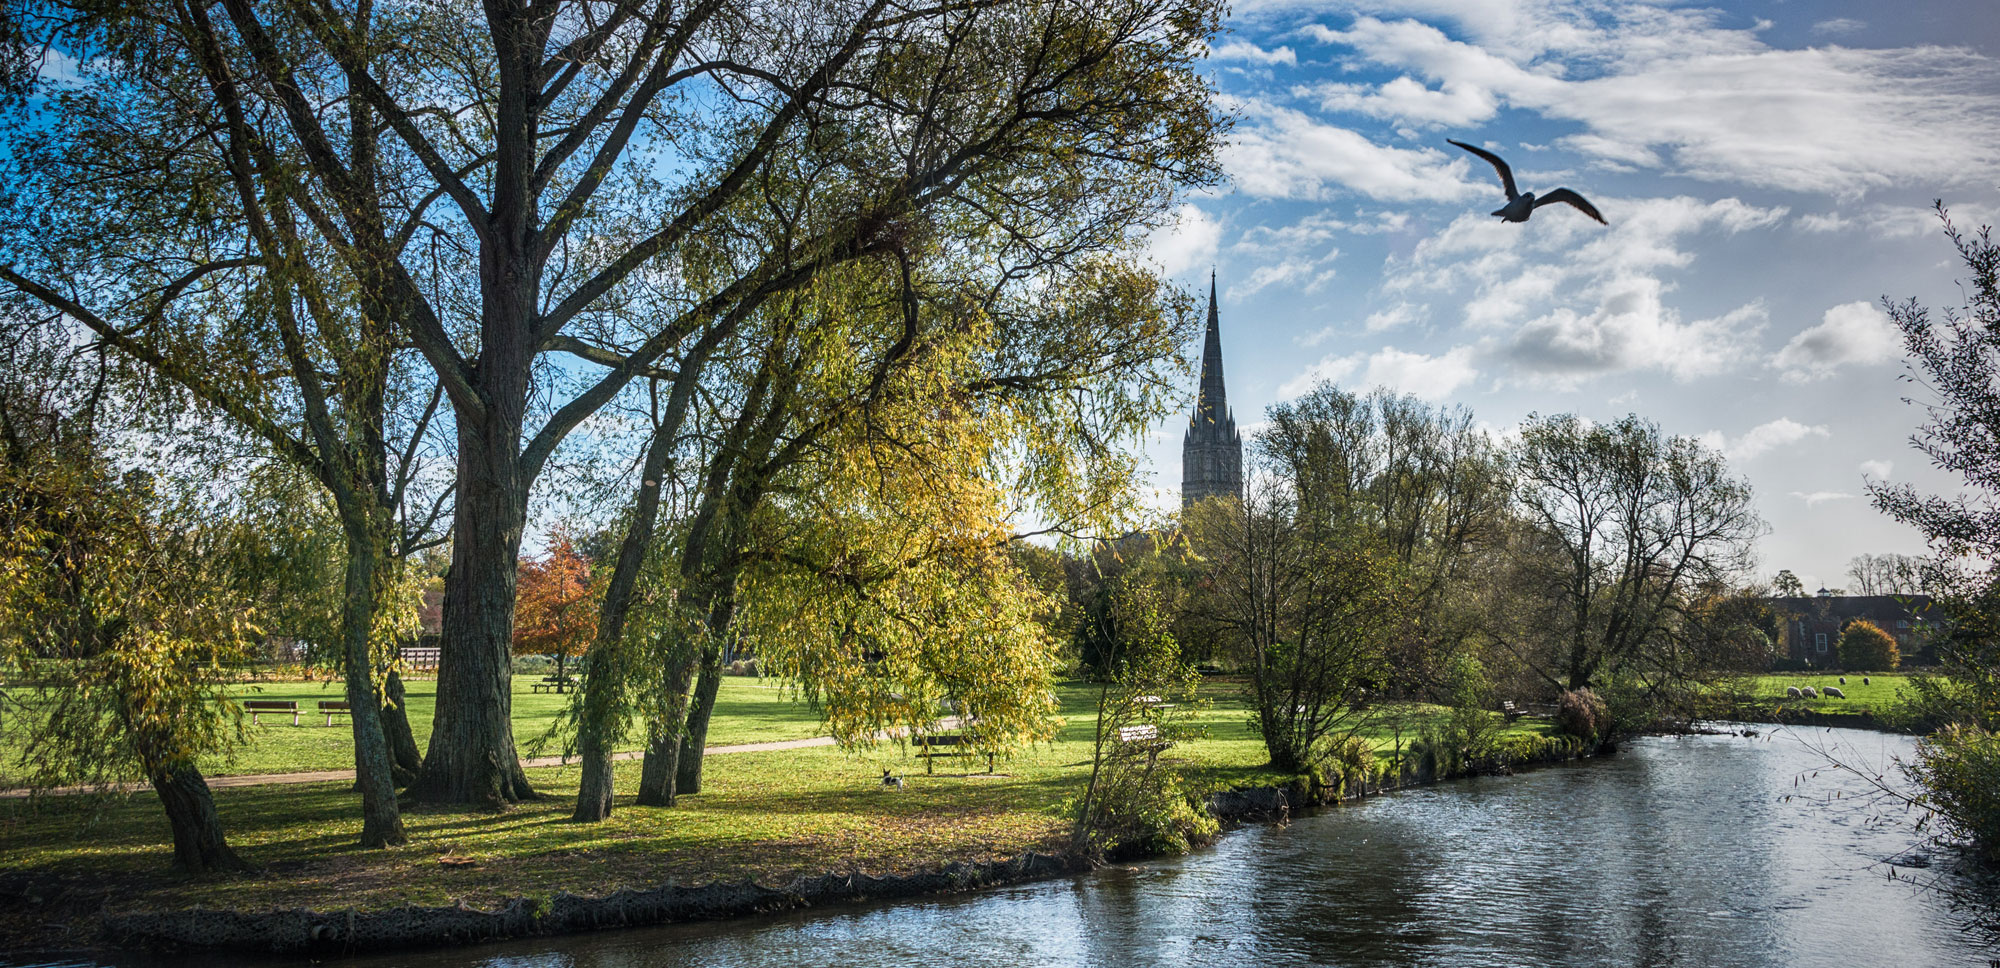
(1212, 451)
(1810, 627)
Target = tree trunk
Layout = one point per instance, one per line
(687, 775)
(472, 759)
(657, 787)
(405, 760)
(381, 820)
(199, 845)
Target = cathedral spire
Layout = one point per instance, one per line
(1212, 451)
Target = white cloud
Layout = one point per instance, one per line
(1395, 317)
(1188, 241)
(1763, 438)
(1877, 468)
(1305, 275)
(1282, 153)
(1820, 497)
(1681, 89)
(1572, 299)
(1237, 50)
(1855, 332)
(1839, 25)
(1427, 377)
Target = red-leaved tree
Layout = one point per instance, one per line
(556, 607)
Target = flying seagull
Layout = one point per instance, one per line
(1520, 205)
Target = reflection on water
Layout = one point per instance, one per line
(1675, 852)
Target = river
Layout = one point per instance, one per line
(1699, 850)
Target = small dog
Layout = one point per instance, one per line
(891, 780)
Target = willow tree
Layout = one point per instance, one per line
(521, 190)
(116, 608)
(151, 208)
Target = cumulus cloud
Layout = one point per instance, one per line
(1850, 333)
(1763, 438)
(1305, 275)
(1283, 153)
(1820, 497)
(1682, 89)
(1237, 50)
(1190, 240)
(1877, 468)
(1395, 317)
(1574, 300)
(1431, 378)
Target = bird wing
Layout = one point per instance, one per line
(1506, 173)
(1572, 198)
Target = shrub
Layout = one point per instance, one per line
(533, 665)
(1959, 768)
(741, 667)
(1864, 647)
(1581, 714)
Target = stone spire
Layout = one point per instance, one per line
(1212, 451)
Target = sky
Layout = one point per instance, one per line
(1767, 170)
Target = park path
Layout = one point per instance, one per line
(337, 776)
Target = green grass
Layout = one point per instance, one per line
(748, 710)
(769, 815)
(1883, 695)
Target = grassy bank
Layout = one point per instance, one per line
(748, 710)
(771, 816)
(1764, 698)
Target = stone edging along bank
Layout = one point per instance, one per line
(334, 933)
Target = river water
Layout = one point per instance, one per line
(1699, 851)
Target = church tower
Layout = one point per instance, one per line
(1212, 451)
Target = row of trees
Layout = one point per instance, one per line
(843, 282)
(1385, 549)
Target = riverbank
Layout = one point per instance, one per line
(783, 828)
(1877, 704)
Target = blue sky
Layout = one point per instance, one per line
(1766, 169)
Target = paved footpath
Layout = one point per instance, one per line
(336, 776)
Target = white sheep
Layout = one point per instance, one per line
(1843, 680)
(1810, 692)
(1864, 680)
(1833, 692)
(1792, 692)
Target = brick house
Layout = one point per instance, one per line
(1809, 628)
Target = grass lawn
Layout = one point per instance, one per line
(1881, 697)
(772, 815)
(748, 710)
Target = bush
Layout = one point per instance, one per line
(533, 665)
(1580, 713)
(1866, 648)
(741, 667)
(1959, 768)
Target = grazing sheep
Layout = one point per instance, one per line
(1833, 692)
(1864, 680)
(1792, 692)
(1843, 680)
(1810, 692)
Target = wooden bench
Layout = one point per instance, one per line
(1511, 711)
(1142, 738)
(558, 683)
(331, 708)
(955, 744)
(257, 707)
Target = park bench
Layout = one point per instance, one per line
(1142, 738)
(333, 707)
(257, 707)
(954, 744)
(558, 683)
(1510, 710)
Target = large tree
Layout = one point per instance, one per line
(1625, 531)
(501, 183)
